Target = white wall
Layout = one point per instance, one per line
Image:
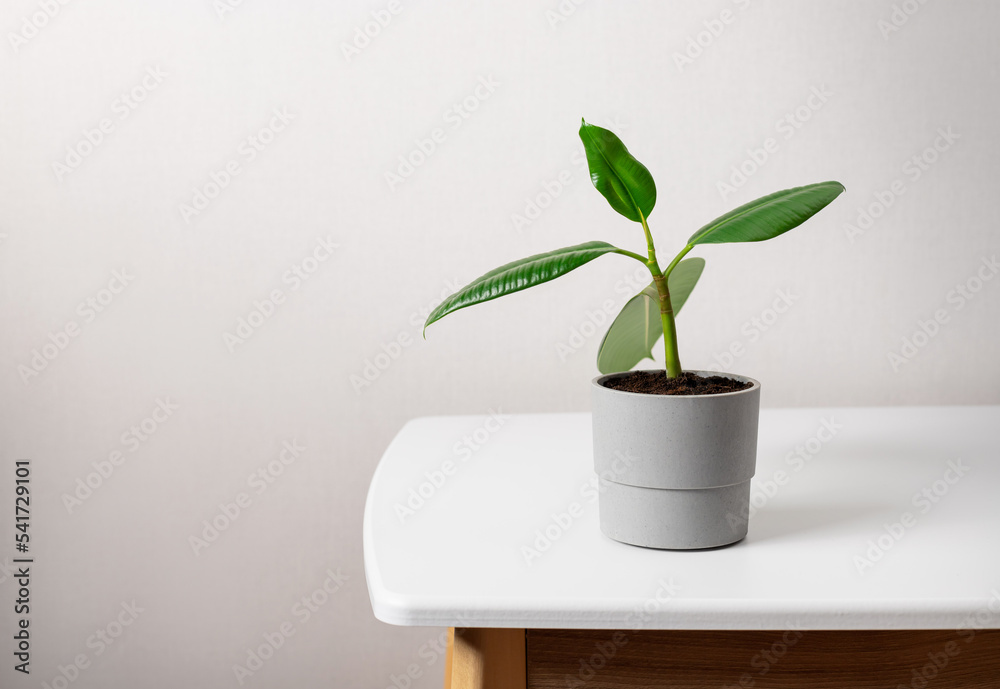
(854, 298)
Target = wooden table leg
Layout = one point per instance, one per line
(485, 659)
(448, 654)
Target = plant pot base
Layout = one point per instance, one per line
(669, 519)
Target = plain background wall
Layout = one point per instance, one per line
(223, 70)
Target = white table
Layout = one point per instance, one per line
(873, 519)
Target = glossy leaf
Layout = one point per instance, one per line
(519, 275)
(621, 179)
(637, 327)
(768, 216)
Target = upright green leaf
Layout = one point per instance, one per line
(519, 275)
(768, 216)
(637, 327)
(621, 179)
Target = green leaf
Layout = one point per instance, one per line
(519, 275)
(637, 327)
(623, 180)
(769, 215)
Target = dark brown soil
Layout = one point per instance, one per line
(657, 383)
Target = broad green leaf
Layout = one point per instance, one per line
(519, 275)
(637, 327)
(769, 215)
(623, 180)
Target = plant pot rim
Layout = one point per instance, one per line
(598, 381)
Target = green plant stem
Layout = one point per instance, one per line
(649, 242)
(670, 350)
(671, 355)
(677, 259)
(630, 254)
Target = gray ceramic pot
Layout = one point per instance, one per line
(674, 470)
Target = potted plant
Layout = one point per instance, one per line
(674, 450)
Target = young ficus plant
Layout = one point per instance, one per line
(629, 189)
